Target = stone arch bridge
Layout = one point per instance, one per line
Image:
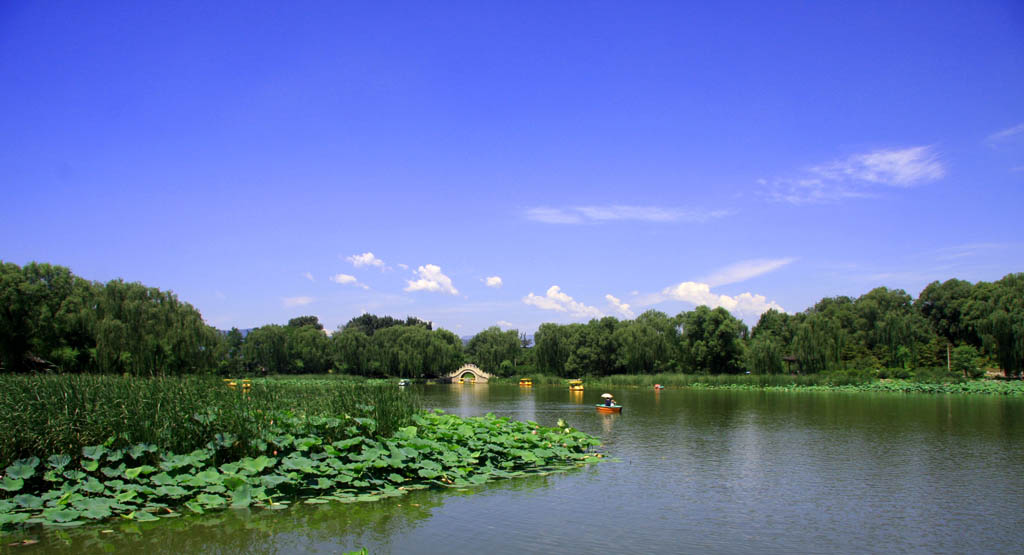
(469, 372)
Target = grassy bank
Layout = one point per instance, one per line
(845, 381)
(173, 445)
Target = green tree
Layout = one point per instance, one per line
(266, 349)
(305, 321)
(996, 310)
(491, 346)
(592, 348)
(712, 341)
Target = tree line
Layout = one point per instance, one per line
(52, 320)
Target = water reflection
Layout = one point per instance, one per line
(330, 527)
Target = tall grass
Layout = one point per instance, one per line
(47, 414)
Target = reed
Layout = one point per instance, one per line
(63, 413)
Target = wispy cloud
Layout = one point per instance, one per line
(365, 259)
(493, 281)
(856, 176)
(1005, 134)
(432, 279)
(308, 276)
(619, 306)
(345, 279)
(505, 324)
(966, 251)
(599, 214)
(747, 269)
(555, 299)
(289, 302)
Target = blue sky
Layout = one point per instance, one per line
(269, 160)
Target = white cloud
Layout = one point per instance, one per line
(745, 304)
(296, 301)
(493, 281)
(621, 307)
(554, 299)
(403, 266)
(365, 259)
(308, 276)
(345, 279)
(854, 176)
(505, 324)
(1006, 133)
(597, 214)
(431, 279)
(742, 271)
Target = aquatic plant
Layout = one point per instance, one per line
(295, 457)
(43, 414)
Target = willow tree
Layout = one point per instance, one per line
(997, 312)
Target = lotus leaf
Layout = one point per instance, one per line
(125, 496)
(241, 496)
(94, 452)
(271, 481)
(257, 465)
(60, 514)
(23, 468)
(347, 443)
(90, 465)
(209, 501)
(141, 516)
(195, 507)
(136, 471)
(141, 449)
(13, 518)
(233, 481)
(11, 484)
(164, 479)
(303, 444)
(173, 492)
(29, 501)
(92, 485)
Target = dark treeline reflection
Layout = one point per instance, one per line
(51, 319)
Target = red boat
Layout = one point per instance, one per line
(609, 408)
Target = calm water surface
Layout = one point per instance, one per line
(697, 472)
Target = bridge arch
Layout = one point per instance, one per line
(469, 371)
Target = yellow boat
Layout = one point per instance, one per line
(525, 382)
(575, 385)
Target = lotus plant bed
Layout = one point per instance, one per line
(298, 462)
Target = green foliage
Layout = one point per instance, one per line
(64, 414)
(964, 360)
(489, 348)
(712, 341)
(318, 458)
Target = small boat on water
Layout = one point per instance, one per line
(403, 383)
(575, 385)
(526, 382)
(658, 386)
(608, 408)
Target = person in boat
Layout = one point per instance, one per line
(608, 401)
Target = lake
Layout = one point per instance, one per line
(694, 471)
